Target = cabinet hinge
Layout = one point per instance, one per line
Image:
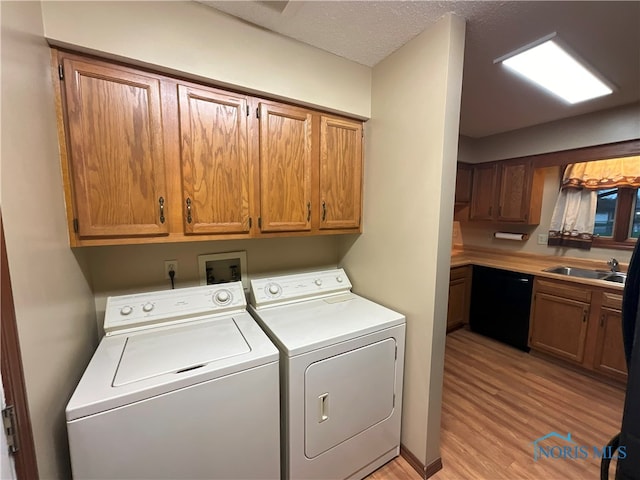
(10, 428)
(60, 72)
(250, 222)
(257, 113)
(259, 222)
(76, 225)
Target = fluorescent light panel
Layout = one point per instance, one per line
(550, 66)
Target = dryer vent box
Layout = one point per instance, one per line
(218, 268)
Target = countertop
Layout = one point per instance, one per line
(533, 264)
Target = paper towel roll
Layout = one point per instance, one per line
(511, 236)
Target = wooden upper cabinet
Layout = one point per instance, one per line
(340, 173)
(514, 192)
(285, 168)
(215, 161)
(485, 178)
(116, 155)
(508, 191)
(152, 158)
(464, 176)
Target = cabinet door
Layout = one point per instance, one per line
(515, 185)
(463, 183)
(483, 192)
(458, 309)
(558, 326)
(609, 356)
(116, 150)
(340, 173)
(215, 161)
(285, 168)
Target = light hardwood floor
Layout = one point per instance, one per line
(498, 400)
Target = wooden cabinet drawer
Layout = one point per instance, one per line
(612, 300)
(561, 289)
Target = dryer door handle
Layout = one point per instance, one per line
(323, 407)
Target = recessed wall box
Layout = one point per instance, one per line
(226, 267)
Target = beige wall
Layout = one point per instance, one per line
(53, 300)
(481, 234)
(192, 38)
(402, 258)
(607, 126)
(134, 268)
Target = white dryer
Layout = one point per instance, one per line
(341, 359)
(183, 385)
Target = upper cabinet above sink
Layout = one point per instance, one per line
(508, 191)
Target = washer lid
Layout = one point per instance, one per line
(178, 350)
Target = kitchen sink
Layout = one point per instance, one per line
(616, 277)
(606, 275)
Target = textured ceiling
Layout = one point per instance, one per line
(606, 34)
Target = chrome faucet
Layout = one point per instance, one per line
(615, 266)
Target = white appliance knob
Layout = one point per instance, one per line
(318, 282)
(339, 279)
(147, 307)
(274, 289)
(126, 310)
(222, 296)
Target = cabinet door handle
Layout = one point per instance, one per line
(324, 211)
(161, 202)
(584, 316)
(308, 211)
(189, 218)
(602, 320)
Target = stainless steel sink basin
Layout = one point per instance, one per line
(579, 272)
(617, 277)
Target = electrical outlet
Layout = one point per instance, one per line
(170, 265)
(543, 238)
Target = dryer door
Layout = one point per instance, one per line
(347, 394)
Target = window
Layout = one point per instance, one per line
(617, 223)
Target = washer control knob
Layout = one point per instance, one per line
(318, 282)
(339, 279)
(222, 297)
(126, 310)
(147, 307)
(274, 289)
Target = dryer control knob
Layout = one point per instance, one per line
(318, 282)
(223, 296)
(274, 289)
(339, 279)
(147, 307)
(126, 310)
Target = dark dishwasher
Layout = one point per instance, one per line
(500, 304)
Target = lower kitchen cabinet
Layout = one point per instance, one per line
(558, 325)
(609, 351)
(459, 297)
(579, 324)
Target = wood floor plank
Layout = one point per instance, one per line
(498, 400)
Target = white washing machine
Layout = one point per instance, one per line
(183, 385)
(341, 360)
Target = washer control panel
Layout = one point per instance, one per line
(290, 288)
(137, 311)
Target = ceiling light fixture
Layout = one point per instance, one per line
(550, 66)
